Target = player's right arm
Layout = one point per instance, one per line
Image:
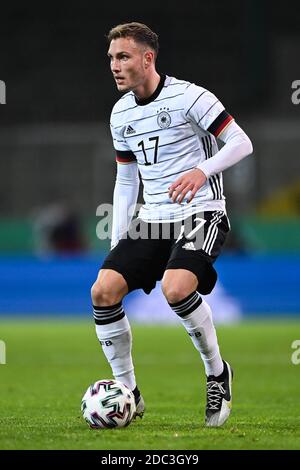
(126, 187)
(125, 196)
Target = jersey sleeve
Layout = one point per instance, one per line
(204, 109)
(123, 152)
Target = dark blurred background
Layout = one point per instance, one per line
(56, 157)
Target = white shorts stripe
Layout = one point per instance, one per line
(214, 236)
(210, 236)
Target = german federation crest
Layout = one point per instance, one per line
(164, 119)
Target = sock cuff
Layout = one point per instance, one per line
(95, 307)
(108, 314)
(187, 305)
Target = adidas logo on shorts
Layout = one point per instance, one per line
(189, 246)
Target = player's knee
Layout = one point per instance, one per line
(107, 290)
(175, 291)
(104, 294)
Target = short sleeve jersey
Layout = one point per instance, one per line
(167, 135)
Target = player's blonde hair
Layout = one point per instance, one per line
(138, 31)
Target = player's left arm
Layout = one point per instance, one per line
(237, 146)
(207, 111)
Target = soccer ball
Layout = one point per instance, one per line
(108, 404)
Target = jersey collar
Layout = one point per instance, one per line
(155, 94)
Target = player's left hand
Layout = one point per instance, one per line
(191, 181)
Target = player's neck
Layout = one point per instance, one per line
(147, 89)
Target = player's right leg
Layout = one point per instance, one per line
(134, 263)
(113, 328)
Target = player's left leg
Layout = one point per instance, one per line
(179, 287)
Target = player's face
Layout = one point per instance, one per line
(127, 63)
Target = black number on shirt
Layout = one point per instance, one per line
(141, 144)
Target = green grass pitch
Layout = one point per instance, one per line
(50, 363)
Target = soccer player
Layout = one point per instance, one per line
(164, 132)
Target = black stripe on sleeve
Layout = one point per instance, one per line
(223, 116)
(125, 156)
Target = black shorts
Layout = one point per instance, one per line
(148, 249)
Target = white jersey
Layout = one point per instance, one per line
(169, 134)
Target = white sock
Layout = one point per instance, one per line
(116, 341)
(199, 325)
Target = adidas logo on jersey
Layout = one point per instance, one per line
(129, 130)
(189, 246)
